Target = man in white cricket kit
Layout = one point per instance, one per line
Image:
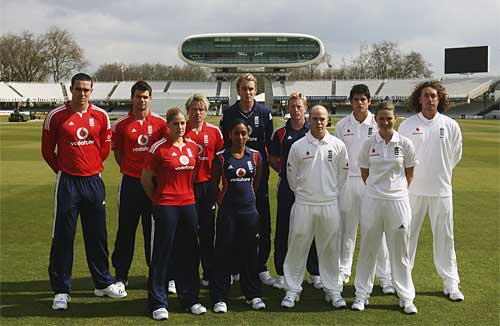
(316, 170)
(438, 144)
(353, 130)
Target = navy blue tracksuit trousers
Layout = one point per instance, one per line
(134, 204)
(264, 210)
(236, 242)
(286, 198)
(175, 236)
(85, 196)
(205, 206)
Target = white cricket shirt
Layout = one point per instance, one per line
(438, 143)
(353, 134)
(387, 164)
(317, 169)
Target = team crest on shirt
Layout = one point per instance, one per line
(240, 172)
(184, 159)
(142, 140)
(330, 156)
(250, 166)
(441, 132)
(256, 121)
(150, 130)
(190, 153)
(205, 140)
(370, 131)
(396, 151)
(91, 122)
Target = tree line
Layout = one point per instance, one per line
(55, 56)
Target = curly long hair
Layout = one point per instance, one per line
(442, 95)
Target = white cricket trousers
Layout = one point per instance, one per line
(308, 222)
(391, 217)
(351, 196)
(440, 211)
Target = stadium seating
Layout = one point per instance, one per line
(343, 87)
(40, 92)
(8, 95)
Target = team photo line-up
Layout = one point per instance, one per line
(176, 171)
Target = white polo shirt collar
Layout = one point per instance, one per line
(394, 139)
(314, 141)
(427, 121)
(353, 121)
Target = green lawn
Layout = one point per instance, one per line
(26, 212)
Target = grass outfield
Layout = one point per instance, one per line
(26, 212)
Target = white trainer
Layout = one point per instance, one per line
(359, 304)
(235, 278)
(336, 300)
(61, 301)
(266, 278)
(205, 283)
(198, 309)
(171, 287)
(455, 295)
(408, 307)
(111, 291)
(220, 307)
(120, 285)
(279, 283)
(289, 300)
(388, 289)
(257, 304)
(315, 280)
(160, 314)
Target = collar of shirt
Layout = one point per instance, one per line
(188, 126)
(310, 138)
(68, 106)
(131, 114)
(367, 120)
(306, 125)
(394, 139)
(427, 121)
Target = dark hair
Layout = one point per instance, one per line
(414, 102)
(83, 77)
(142, 86)
(239, 122)
(359, 89)
(173, 112)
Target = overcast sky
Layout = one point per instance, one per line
(140, 31)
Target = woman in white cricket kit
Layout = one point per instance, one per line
(386, 161)
(316, 169)
(353, 130)
(438, 142)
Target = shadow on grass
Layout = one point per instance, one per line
(34, 298)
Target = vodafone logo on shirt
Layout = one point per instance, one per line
(240, 173)
(142, 140)
(184, 160)
(82, 134)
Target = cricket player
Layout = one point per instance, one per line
(210, 141)
(282, 140)
(386, 161)
(260, 121)
(133, 135)
(76, 140)
(353, 130)
(438, 143)
(317, 169)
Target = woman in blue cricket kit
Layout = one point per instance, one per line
(237, 226)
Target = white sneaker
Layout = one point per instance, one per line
(205, 283)
(61, 301)
(408, 306)
(266, 278)
(171, 287)
(359, 304)
(455, 295)
(388, 289)
(120, 285)
(220, 307)
(257, 304)
(235, 278)
(279, 283)
(198, 309)
(160, 314)
(289, 300)
(336, 300)
(111, 291)
(315, 280)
